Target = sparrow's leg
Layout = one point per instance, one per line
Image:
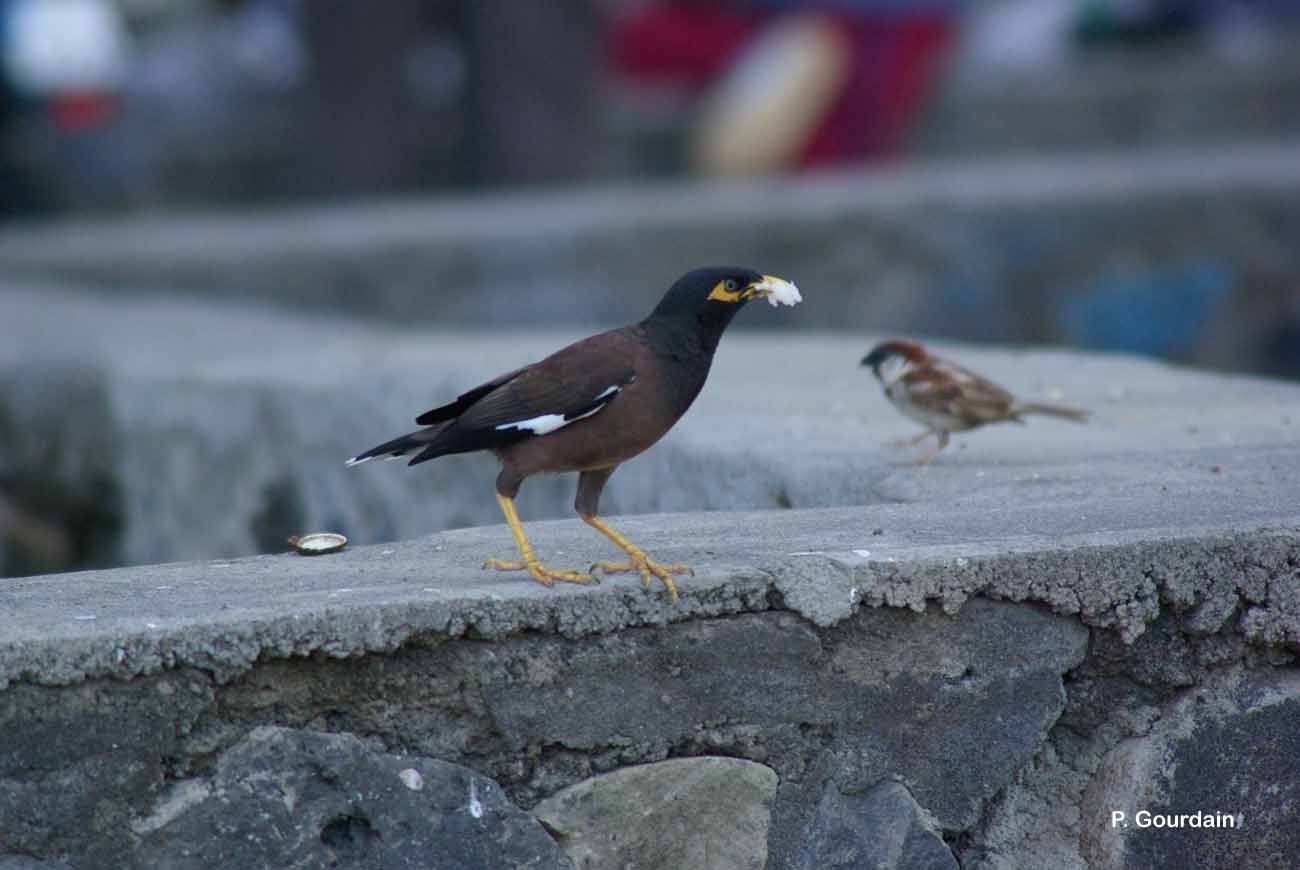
(528, 561)
(910, 442)
(928, 457)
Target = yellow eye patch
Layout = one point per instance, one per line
(720, 293)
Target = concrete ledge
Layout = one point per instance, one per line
(1110, 564)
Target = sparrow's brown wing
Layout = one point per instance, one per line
(945, 388)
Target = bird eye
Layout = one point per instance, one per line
(731, 284)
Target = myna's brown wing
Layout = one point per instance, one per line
(454, 409)
(567, 386)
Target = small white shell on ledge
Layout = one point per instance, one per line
(318, 543)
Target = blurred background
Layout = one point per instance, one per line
(1119, 175)
(122, 105)
(146, 107)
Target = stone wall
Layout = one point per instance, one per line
(986, 704)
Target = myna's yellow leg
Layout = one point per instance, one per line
(637, 559)
(528, 561)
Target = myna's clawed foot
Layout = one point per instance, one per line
(529, 562)
(637, 560)
(542, 574)
(648, 567)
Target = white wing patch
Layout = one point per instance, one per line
(544, 424)
(357, 460)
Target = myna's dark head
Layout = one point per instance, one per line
(888, 354)
(716, 293)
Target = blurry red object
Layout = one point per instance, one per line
(895, 60)
(76, 112)
(680, 43)
(895, 57)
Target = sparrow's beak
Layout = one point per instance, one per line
(777, 291)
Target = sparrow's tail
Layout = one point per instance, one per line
(1063, 412)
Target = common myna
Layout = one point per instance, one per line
(944, 397)
(591, 406)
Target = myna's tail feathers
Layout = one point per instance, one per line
(1063, 412)
(403, 446)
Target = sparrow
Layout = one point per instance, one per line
(944, 397)
(589, 407)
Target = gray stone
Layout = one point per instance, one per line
(76, 764)
(685, 812)
(880, 829)
(284, 798)
(1119, 694)
(902, 694)
(19, 862)
(1034, 822)
(1228, 753)
(912, 698)
(940, 691)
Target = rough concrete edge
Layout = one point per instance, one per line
(1111, 580)
(1108, 585)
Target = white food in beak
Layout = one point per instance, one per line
(777, 291)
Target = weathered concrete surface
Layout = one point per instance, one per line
(685, 812)
(1025, 250)
(284, 798)
(115, 416)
